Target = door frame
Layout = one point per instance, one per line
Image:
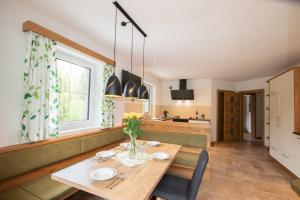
(262, 121)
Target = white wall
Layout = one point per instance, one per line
(13, 42)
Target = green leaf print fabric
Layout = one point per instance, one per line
(108, 105)
(40, 99)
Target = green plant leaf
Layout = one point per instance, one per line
(32, 117)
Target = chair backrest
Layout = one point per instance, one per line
(197, 175)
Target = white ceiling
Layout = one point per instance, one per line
(219, 39)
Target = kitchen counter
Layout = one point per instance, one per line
(170, 126)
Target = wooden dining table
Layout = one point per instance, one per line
(138, 184)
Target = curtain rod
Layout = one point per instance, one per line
(129, 18)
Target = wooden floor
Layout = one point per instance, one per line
(240, 171)
(245, 171)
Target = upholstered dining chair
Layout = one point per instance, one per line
(177, 188)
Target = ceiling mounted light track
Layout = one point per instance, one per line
(131, 89)
(113, 85)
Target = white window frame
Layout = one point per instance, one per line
(95, 90)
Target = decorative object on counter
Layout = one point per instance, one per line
(113, 85)
(142, 91)
(133, 130)
(166, 114)
(197, 114)
(202, 117)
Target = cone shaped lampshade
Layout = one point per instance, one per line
(113, 87)
(130, 89)
(143, 93)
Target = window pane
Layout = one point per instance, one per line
(78, 107)
(80, 78)
(74, 84)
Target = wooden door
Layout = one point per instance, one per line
(231, 116)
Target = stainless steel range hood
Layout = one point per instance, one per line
(183, 93)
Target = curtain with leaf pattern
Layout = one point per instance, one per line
(108, 105)
(40, 101)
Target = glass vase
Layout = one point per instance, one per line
(132, 149)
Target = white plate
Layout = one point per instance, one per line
(103, 174)
(105, 154)
(153, 143)
(161, 156)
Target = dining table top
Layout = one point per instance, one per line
(138, 184)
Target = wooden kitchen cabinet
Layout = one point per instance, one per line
(284, 119)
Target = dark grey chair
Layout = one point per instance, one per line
(177, 188)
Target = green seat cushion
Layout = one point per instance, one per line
(185, 139)
(186, 159)
(98, 140)
(296, 185)
(46, 188)
(18, 162)
(17, 194)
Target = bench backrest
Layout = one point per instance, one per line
(13, 163)
(184, 139)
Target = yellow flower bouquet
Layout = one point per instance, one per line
(133, 130)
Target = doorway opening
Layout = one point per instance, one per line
(252, 113)
(240, 115)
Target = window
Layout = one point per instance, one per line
(74, 82)
(80, 91)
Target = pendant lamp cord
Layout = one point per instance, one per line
(116, 19)
(144, 60)
(131, 51)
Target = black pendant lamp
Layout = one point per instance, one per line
(142, 91)
(113, 85)
(130, 89)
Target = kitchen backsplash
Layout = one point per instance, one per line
(184, 111)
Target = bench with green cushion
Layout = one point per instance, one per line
(18, 162)
(184, 159)
(21, 161)
(296, 185)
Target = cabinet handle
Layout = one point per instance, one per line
(285, 155)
